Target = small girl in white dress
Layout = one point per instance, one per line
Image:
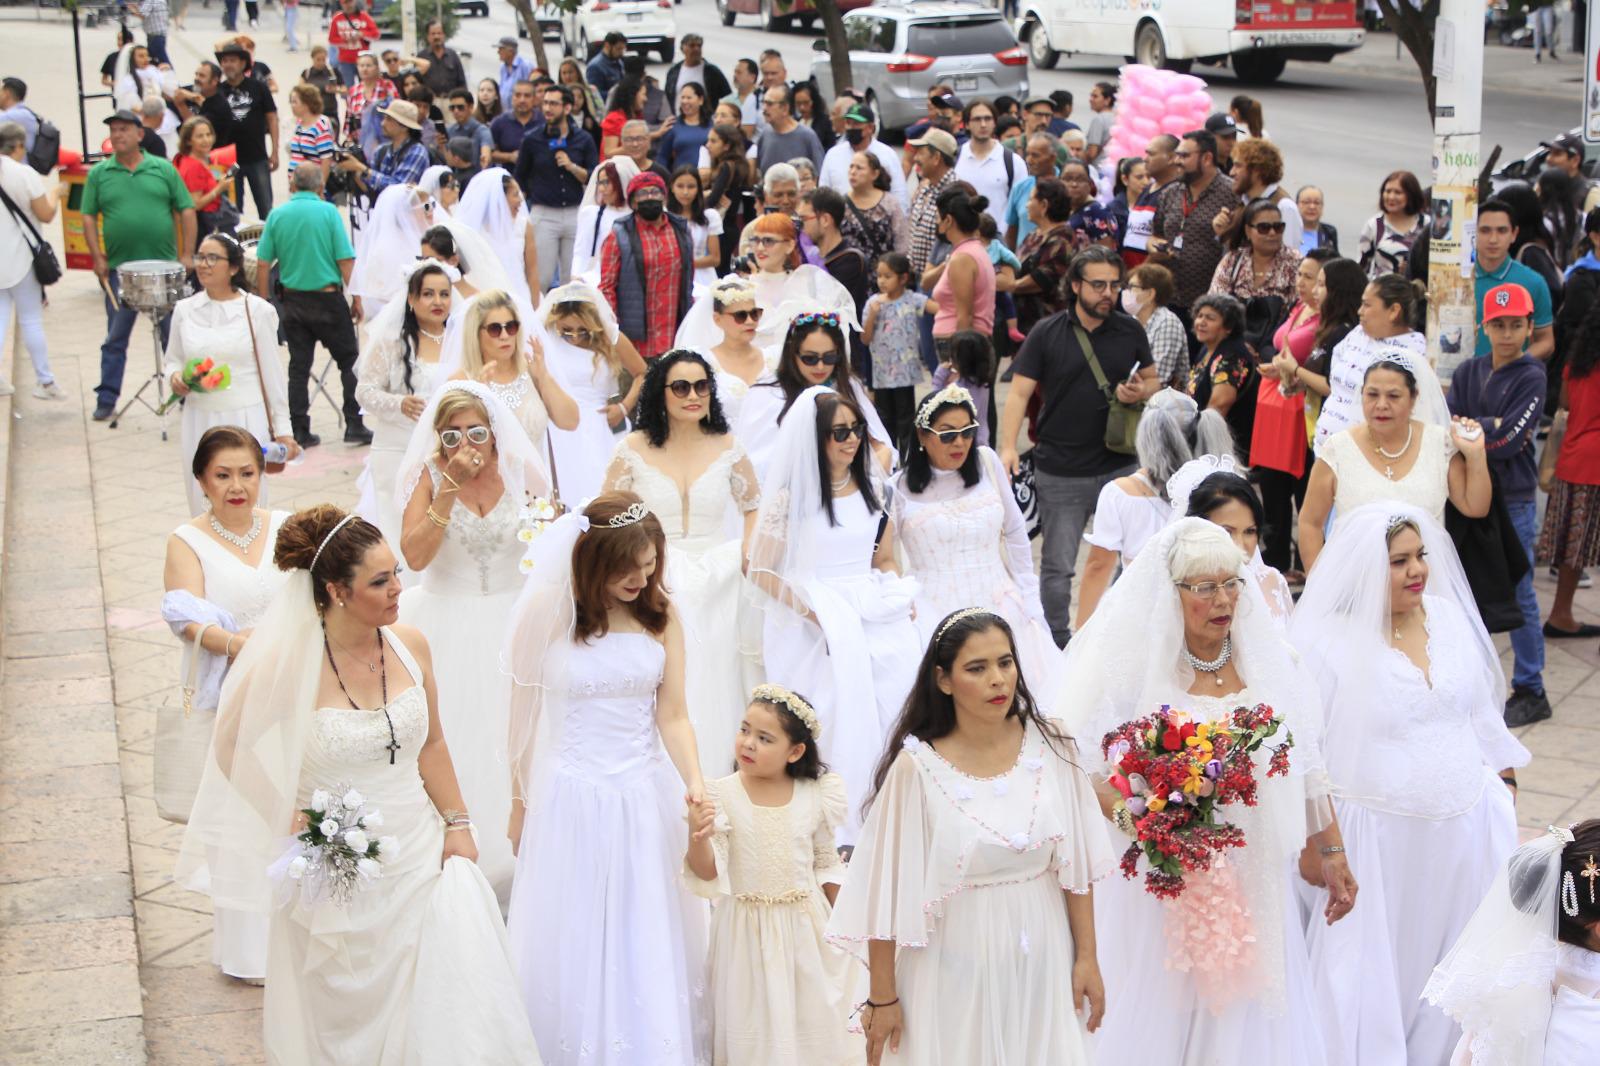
(761, 847)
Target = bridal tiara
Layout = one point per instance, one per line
(961, 615)
(950, 394)
(770, 693)
(635, 513)
(351, 517)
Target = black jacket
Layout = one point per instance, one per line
(716, 86)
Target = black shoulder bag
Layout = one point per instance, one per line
(46, 267)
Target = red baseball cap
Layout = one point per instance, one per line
(1503, 300)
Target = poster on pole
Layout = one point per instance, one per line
(1591, 77)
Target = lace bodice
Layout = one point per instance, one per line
(610, 727)
(524, 401)
(774, 855)
(1425, 485)
(382, 382)
(351, 747)
(348, 735)
(698, 517)
(964, 544)
(242, 590)
(479, 555)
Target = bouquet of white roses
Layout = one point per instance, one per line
(337, 854)
(533, 520)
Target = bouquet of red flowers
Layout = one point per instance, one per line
(1174, 773)
(202, 375)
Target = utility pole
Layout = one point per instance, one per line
(1457, 158)
(408, 28)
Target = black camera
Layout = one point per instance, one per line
(742, 264)
(343, 181)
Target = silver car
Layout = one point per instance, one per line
(900, 50)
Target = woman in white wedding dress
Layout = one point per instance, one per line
(492, 205)
(397, 373)
(466, 477)
(1415, 740)
(964, 537)
(1211, 487)
(329, 694)
(391, 236)
(694, 477)
(969, 892)
(219, 580)
(738, 362)
(837, 620)
(492, 341)
(587, 354)
(608, 941)
(1221, 974)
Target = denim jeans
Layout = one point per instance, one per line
(156, 45)
(1527, 640)
(347, 72)
(28, 299)
(259, 176)
(309, 317)
(114, 349)
(230, 15)
(291, 15)
(1065, 506)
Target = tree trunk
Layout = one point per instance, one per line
(1414, 27)
(530, 22)
(838, 49)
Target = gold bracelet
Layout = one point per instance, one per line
(436, 519)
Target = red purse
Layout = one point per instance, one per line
(1278, 438)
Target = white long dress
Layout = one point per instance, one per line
(579, 455)
(382, 377)
(462, 605)
(968, 547)
(763, 404)
(703, 574)
(732, 389)
(1574, 1030)
(609, 945)
(1168, 1013)
(239, 938)
(1425, 486)
(865, 644)
(966, 876)
(416, 969)
(206, 328)
(1442, 807)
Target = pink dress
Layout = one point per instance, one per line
(944, 323)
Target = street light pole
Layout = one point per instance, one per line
(1457, 157)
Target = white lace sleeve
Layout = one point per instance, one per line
(742, 480)
(375, 374)
(619, 472)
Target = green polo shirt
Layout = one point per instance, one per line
(1513, 273)
(136, 207)
(306, 238)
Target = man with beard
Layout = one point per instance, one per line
(1183, 239)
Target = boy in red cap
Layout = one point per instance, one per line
(1504, 391)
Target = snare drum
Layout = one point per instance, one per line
(151, 285)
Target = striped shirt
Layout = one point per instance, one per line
(311, 144)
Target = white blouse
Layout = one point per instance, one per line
(1123, 522)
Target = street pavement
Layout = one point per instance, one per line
(102, 958)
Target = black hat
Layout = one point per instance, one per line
(947, 101)
(122, 114)
(233, 48)
(1570, 143)
(1222, 125)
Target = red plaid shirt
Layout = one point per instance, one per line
(662, 274)
(357, 102)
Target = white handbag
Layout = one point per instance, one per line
(183, 740)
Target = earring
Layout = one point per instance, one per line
(341, 603)
(1569, 894)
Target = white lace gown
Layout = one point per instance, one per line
(416, 969)
(1425, 486)
(463, 605)
(579, 455)
(857, 667)
(238, 938)
(523, 399)
(732, 389)
(968, 547)
(206, 328)
(704, 576)
(382, 385)
(609, 945)
(1443, 807)
(780, 993)
(1167, 1013)
(966, 875)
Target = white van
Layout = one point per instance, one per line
(1257, 36)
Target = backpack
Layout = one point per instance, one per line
(46, 150)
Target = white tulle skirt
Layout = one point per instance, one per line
(705, 581)
(1372, 965)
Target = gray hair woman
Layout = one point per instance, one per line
(19, 287)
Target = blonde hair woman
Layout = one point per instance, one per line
(491, 344)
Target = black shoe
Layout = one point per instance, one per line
(356, 433)
(306, 439)
(1526, 707)
(103, 411)
(1585, 629)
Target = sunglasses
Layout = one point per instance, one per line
(575, 336)
(459, 107)
(451, 438)
(741, 317)
(496, 329)
(766, 240)
(681, 388)
(950, 436)
(840, 434)
(1270, 227)
(812, 359)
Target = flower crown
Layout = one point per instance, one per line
(635, 513)
(964, 613)
(806, 318)
(733, 289)
(770, 693)
(950, 394)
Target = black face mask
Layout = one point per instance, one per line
(650, 210)
(855, 137)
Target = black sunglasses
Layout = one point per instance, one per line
(682, 388)
(460, 107)
(950, 436)
(1270, 227)
(812, 359)
(840, 434)
(741, 317)
(496, 329)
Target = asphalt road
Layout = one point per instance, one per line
(1340, 125)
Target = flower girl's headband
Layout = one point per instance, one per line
(777, 694)
(950, 394)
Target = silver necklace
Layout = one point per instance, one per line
(242, 543)
(437, 338)
(842, 483)
(1213, 666)
(1388, 471)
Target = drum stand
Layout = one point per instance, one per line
(156, 378)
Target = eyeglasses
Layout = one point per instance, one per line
(682, 388)
(1207, 590)
(1101, 286)
(765, 240)
(803, 219)
(1270, 227)
(451, 438)
(840, 434)
(950, 436)
(813, 358)
(496, 329)
(427, 207)
(575, 336)
(741, 317)
(459, 107)
(208, 259)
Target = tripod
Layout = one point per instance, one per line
(156, 378)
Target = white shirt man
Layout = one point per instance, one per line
(835, 172)
(984, 163)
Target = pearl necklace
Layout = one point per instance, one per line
(242, 543)
(1388, 471)
(437, 338)
(1213, 666)
(843, 483)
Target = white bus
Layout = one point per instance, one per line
(1257, 36)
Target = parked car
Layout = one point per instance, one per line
(898, 51)
(775, 15)
(472, 8)
(649, 26)
(1529, 166)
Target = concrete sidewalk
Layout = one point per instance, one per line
(1504, 69)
